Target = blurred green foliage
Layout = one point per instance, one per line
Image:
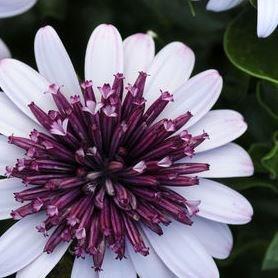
(250, 69)
(271, 258)
(257, 57)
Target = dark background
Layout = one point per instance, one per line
(250, 70)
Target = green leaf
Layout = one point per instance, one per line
(270, 161)
(257, 151)
(267, 95)
(261, 126)
(257, 57)
(236, 84)
(265, 157)
(191, 7)
(242, 249)
(271, 257)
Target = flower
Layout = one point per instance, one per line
(14, 7)
(11, 8)
(267, 13)
(4, 50)
(110, 167)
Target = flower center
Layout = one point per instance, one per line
(104, 168)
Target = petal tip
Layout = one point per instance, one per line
(106, 26)
(247, 213)
(187, 50)
(263, 34)
(180, 47)
(5, 61)
(142, 37)
(226, 254)
(46, 28)
(43, 32)
(245, 210)
(213, 74)
(216, 73)
(249, 167)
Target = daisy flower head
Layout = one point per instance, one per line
(117, 167)
(267, 13)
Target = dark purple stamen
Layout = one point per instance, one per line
(104, 169)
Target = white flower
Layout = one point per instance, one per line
(11, 8)
(4, 50)
(267, 13)
(120, 196)
(14, 7)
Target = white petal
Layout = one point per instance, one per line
(9, 154)
(14, 7)
(13, 121)
(104, 55)
(182, 252)
(22, 85)
(230, 160)
(222, 126)
(218, 202)
(139, 50)
(222, 5)
(21, 244)
(148, 265)
(54, 62)
(267, 17)
(170, 68)
(43, 264)
(83, 268)
(4, 50)
(196, 95)
(113, 268)
(7, 200)
(215, 237)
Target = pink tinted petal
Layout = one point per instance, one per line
(222, 126)
(43, 264)
(170, 68)
(227, 161)
(267, 17)
(222, 5)
(219, 202)
(146, 266)
(139, 52)
(104, 55)
(196, 95)
(21, 244)
(182, 252)
(7, 200)
(9, 154)
(4, 50)
(113, 268)
(15, 7)
(54, 62)
(215, 237)
(13, 121)
(22, 85)
(83, 268)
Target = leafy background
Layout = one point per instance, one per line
(226, 41)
